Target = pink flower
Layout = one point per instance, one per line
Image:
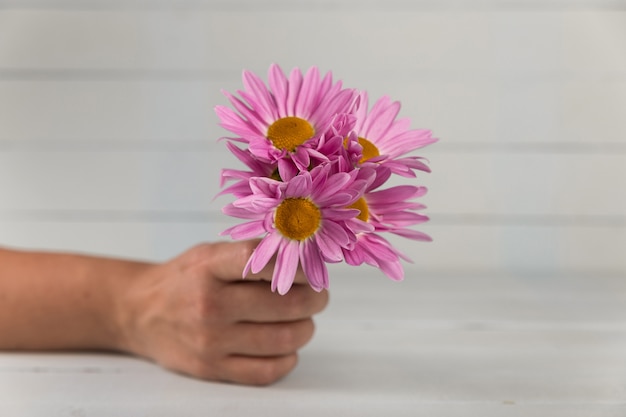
(241, 187)
(388, 210)
(316, 159)
(385, 139)
(304, 220)
(285, 122)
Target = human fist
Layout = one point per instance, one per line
(196, 315)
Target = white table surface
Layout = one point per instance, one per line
(433, 345)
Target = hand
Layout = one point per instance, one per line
(196, 315)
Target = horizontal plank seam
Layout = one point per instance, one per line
(212, 145)
(313, 5)
(233, 74)
(197, 216)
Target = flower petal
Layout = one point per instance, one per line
(310, 87)
(278, 84)
(264, 252)
(246, 230)
(412, 234)
(313, 265)
(286, 266)
(398, 193)
(295, 82)
(299, 186)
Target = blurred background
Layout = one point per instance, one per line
(108, 145)
(108, 139)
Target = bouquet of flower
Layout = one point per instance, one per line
(317, 161)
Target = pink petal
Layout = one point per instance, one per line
(240, 189)
(339, 213)
(313, 265)
(379, 247)
(264, 252)
(335, 232)
(354, 257)
(393, 269)
(301, 158)
(278, 84)
(412, 234)
(381, 118)
(299, 186)
(395, 206)
(398, 193)
(256, 86)
(247, 158)
(319, 175)
(359, 226)
(231, 121)
(295, 81)
(247, 230)
(333, 185)
(265, 186)
(339, 199)
(325, 87)
(414, 163)
(239, 212)
(233, 174)
(286, 169)
(286, 266)
(404, 217)
(308, 92)
(328, 247)
(250, 115)
(361, 111)
(398, 127)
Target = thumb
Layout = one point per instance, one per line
(226, 261)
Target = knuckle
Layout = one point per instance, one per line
(297, 302)
(243, 251)
(308, 329)
(290, 337)
(206, 343)
(304, 302)
(199, 252)
(206, 307)
(206, 369)
(322, 299)
(270, 371)
(285, 338)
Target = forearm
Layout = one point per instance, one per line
(62, 301)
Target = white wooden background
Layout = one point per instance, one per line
(108, 145)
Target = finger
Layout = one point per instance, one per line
(227, 260)
(267, 339)
(252, 370)
(253, 301)
(223, 260)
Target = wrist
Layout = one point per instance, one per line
(115, 310)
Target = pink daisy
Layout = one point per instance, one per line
(289, 117)
(388, 210)
(385, 139)
(305, 220)
(241, 187)
(330, 144)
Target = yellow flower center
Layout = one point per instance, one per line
(297, 218)
(369, 149)
(290, 132)
(361, 205)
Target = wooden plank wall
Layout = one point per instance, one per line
(108, 137)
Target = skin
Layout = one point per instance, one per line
(193, 314)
